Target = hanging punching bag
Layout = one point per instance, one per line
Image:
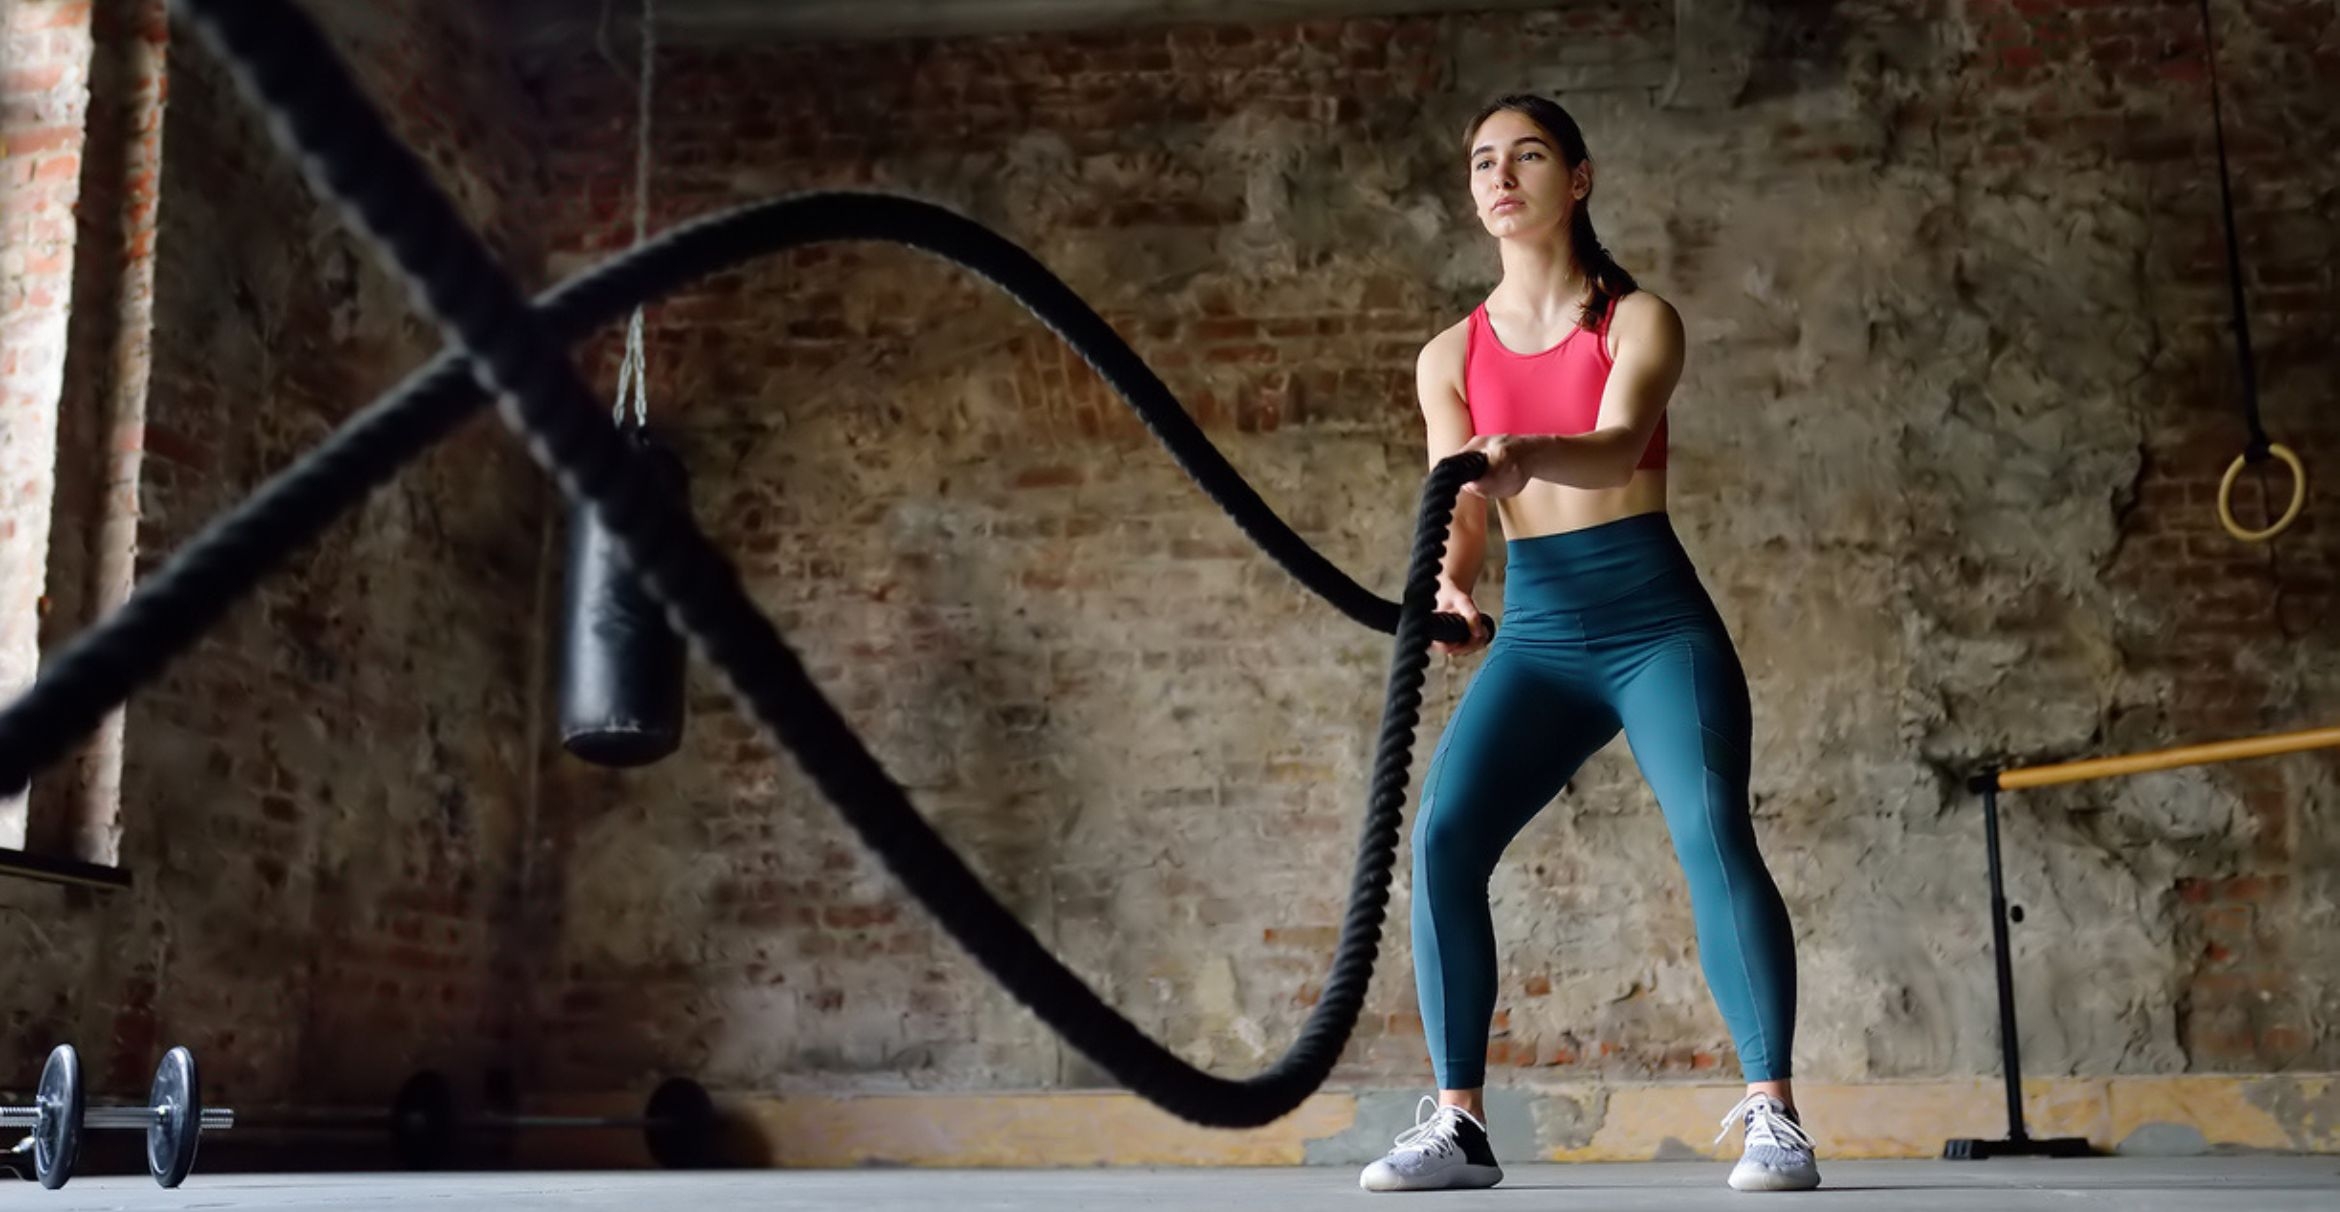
(621, 693)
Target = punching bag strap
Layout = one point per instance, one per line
(633, 373)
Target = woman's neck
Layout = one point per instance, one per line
(1541, 279)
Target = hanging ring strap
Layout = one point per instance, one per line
(2259, 447)
(2291, 514)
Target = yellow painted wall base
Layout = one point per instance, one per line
(2297, 1113)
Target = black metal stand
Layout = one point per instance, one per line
(2019, 1143)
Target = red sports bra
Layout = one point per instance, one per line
(1557, 391)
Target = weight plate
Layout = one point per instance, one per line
(171, 1138)
(681, 1125)
(57, 1137)
(422, 1121)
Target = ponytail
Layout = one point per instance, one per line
(1610, 282)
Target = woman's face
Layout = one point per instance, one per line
(1518, 181)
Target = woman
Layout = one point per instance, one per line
(1561, 380)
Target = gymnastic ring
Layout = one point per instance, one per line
(2226, 496)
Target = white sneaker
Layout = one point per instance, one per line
(1444, 1150)
(1779, 1154)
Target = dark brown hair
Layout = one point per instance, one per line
(1610, 282)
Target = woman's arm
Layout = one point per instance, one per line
(1447, 422)
(1446, 418)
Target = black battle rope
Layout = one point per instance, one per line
(287, 67)
(2258, 451)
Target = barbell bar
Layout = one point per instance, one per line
(678, 1123)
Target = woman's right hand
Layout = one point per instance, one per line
(1454, 599)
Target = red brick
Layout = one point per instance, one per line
(27, 141)
(857, 916)
(61, 15)
(1553, 1052)
(34, 78)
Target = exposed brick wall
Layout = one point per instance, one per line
(325, 803)
(996, 478)
(1941, 454)
(2230, 639)
(371, 788)
(1944, 459)
(2088, 129)
(44, 78)
(94, 514)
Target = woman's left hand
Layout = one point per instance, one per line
(1506, 471)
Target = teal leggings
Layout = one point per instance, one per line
(1605, 628)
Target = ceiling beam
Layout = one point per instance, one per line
(544, 23)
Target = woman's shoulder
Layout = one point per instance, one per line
(1443, 354)
(1643, 307)
(1456, 334)
(1647, 322)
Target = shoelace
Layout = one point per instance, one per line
(1434, 1134)
(1767, 1123)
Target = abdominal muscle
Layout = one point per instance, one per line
(1544, 507)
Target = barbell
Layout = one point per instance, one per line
(173, 1119)
(678, 1123)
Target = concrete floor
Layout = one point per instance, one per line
(2258, 1184)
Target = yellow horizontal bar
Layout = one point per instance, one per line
(2164, 759)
